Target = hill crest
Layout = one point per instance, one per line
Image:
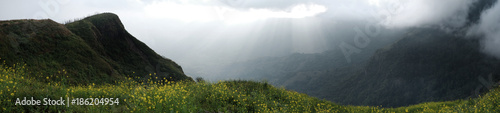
(96, 49)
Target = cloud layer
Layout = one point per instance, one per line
(489, 28)
(413, 13)
(202, 33)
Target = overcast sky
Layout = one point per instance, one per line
(195, 32)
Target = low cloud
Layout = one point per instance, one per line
(489, 29)
(210, 13)
(197, 32)
(414, 13)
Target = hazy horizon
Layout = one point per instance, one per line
(200, 35)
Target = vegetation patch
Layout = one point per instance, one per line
(187, 96)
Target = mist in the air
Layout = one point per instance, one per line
(203, 36)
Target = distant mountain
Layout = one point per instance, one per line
(426, 65)
(96, 49)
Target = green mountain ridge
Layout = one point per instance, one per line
(96, 49)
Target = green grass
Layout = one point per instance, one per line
(50, 48)
(222, 96)
(106, 35)
(96, 49)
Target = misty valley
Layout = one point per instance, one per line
(251, 56)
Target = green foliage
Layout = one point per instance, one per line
(223, 96)
(229, 96)
(107, 36)
(95, 49)
(199, 79)
(49, 47)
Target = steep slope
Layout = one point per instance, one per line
(106, 34)
(96, 49)
(427, 65)
(48, 48)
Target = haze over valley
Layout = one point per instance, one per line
(388, 53)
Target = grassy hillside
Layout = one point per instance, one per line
(48, 47)
(106, 34)
(95, 49)
(97, 58)
(223, 96)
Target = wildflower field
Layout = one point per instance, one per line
(224, 96)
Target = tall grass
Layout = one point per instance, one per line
(167, 96)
